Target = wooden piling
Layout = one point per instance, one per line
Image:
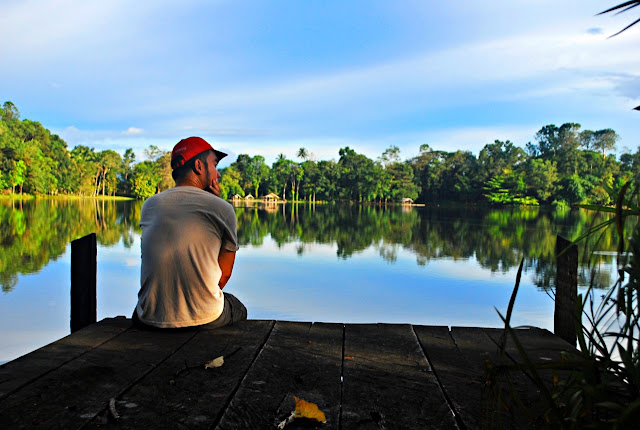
(564, 316)
(83, 282)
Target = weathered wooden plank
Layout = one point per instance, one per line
(542, 348)
(388, 382)
(181, 393)
(299, 359)
(461, 379)
(541, 345)
(83, 282)
(71, 395)
(19, 372)
(479, 349)
(515, 388)
(459, 359)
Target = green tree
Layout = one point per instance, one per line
(508, 188)
(356, 175)
(459, 176)
(257, 172)
(497, 157)
(559, 144)
(9, 111)
(401, 181)
(230, 183)
(126, 170)
(242, 164)
(605, 141)
(326, 185)
(17, 175)
(164, 169)
(145, 180)
(303, 153)
(390, 155)
(310, 179)
(108, 162)
(296, 173)
(428, 168)
(279, 175)
(542, 178)
(85, 170)
(572, 189)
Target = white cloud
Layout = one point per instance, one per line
(531, 57)
(540, 63)
(132, 262)
(132, 131)
(51, 29)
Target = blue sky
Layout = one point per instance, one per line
(269, 77)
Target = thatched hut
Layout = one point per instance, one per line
(271, 197)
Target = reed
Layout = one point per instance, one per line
(598, 385)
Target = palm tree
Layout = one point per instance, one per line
(303, 153)
(623, 7)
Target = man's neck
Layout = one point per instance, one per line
(189, 182)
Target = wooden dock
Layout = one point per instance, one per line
(362, 376)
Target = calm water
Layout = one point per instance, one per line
(340, 263)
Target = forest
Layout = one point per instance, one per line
(564, 165)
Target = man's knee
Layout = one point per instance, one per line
(237, 308)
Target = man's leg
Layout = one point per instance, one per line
(139, 324)
(233, 312)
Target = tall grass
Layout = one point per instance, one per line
(597, 385)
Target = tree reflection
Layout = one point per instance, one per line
(36, 232)
(496, 238)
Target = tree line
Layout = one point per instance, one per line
(565, 164)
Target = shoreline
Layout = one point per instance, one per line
(61, 197)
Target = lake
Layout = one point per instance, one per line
(431, 265)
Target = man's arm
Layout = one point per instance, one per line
(226, 259)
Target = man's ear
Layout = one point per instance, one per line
(198, 166)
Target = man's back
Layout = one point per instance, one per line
(183, 230)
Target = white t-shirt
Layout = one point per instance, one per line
(183, 230)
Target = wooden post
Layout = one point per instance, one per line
(564, 316)
(83, 282)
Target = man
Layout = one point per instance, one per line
(189, 242)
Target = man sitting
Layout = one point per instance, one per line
(189, 243)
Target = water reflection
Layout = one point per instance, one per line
(497, 238)
(34, 233)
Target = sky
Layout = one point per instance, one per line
(269, 77)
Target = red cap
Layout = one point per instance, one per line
(188, 148)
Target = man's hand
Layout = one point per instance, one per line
(214, 187)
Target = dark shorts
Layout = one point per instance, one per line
(233, 312)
